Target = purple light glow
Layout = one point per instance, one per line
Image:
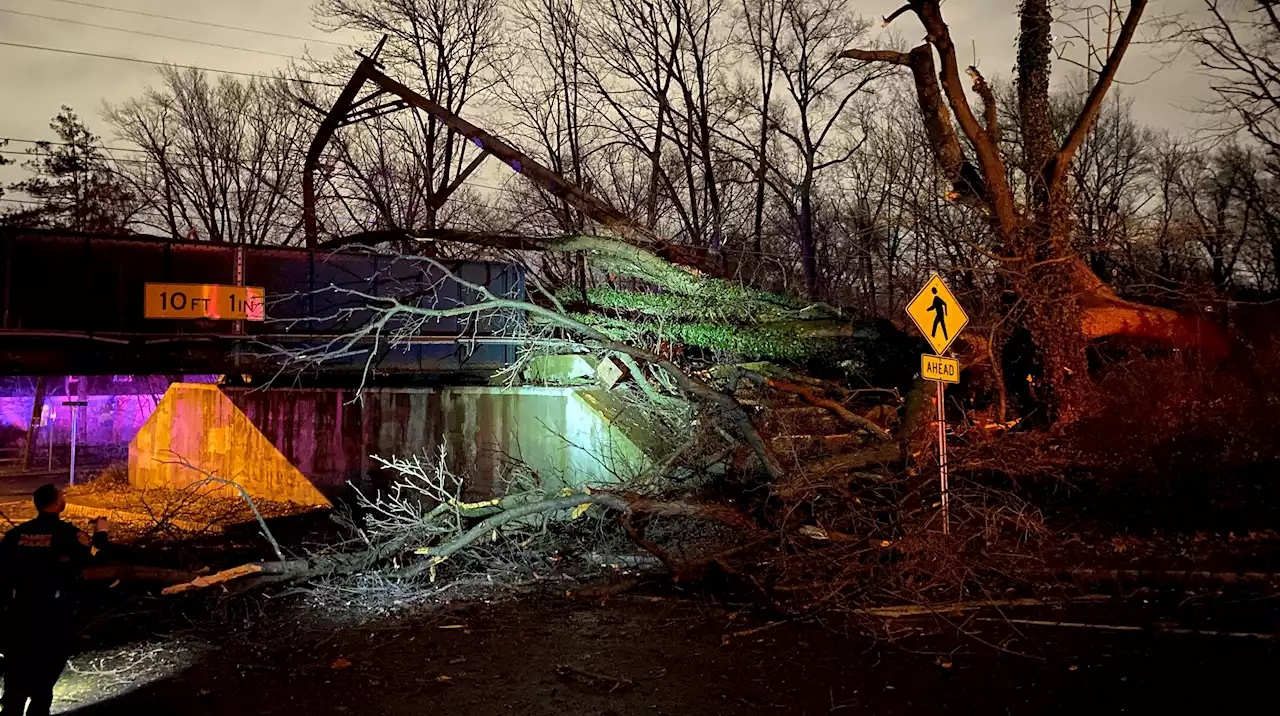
(118, 407)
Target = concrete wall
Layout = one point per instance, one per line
(200, 424)
(327, 436)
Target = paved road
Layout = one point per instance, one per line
(630, 657)
(23, 485)
(15, 494)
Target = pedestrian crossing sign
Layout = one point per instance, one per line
(937, 314)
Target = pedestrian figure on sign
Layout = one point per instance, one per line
(40, 567)
(939, 308)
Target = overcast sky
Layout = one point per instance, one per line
(35, 83)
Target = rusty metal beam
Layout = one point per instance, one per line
(554, 183)
(324, 133)
(596, 209)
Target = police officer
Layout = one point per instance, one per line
(40, 564)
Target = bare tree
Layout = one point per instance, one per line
(447, 50)
(1214, 209)
(658, 71)
(545, 91)
(762, 23)
(889, 217)
(220, 158)
(1238, 44)
(1109, 181)
(797, 43)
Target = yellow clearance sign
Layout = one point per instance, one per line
(208, 301)
(937, 314)
(934, 367)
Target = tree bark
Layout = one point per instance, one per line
(808, 251)
(37, 408)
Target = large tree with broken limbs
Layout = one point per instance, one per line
(1031, 247)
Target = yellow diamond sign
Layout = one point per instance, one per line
(937, 314)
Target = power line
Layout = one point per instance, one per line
(147, 34)
(65, 144)
(201, 22)
(162, 64)
(112, 159)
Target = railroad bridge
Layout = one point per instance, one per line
(74, 330)
(73, 304)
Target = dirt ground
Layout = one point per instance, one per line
(669, 655)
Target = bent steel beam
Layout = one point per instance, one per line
(557, 185)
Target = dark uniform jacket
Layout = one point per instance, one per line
(40, 563)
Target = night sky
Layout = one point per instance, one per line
(36, 83)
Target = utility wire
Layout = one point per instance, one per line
(65, 144)
(111, 159)
(147, 34)
(162, 64)
(201, 22)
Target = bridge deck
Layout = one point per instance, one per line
(73, 304)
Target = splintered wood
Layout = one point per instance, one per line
(210, 580)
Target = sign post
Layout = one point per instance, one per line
(74, 404)
(936, 307)
(49, 435)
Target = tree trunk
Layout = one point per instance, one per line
(655, 169)
(1054, 318)
(808, 251)
(36, 410)
(757, 221)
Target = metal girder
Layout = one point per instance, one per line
(593, 207)
(367, 99)
(554, 183)
(324, 132)
(377, 111)
(367, 71)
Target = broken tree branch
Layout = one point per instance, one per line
(1093, 104)
(718, 513)
(989, 108)
(809, 396)
(211, 478)
(967, 182)
(390, 308)
(892, 57)
(888, 19)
